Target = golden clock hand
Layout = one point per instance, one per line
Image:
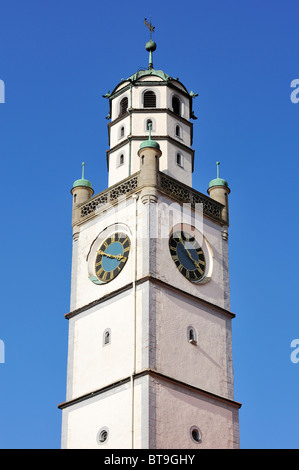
(189, 254)
(118, 257)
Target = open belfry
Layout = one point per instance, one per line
(150, 345)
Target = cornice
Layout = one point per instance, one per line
(158, 376)
(155, 280)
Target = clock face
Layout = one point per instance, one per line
(112, 256)
(187, 255)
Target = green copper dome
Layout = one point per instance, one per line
(82, 181)
(150, 143)
(218, 181)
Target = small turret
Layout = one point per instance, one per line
(219, 191)
(81, 191)
(149, 153)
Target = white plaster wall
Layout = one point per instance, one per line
(138, 92)
(177, 409)
(94, 364)
(185, 112)
(83, 290)
(170, 167)
(206, 364)
(115, 137)
(139, 124)
(166, 214)
(117, 171)
(111, 409)
(185, 137)
(115, 102)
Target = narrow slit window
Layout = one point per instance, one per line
(107, 337)
(191, 335)
(179, 159)
(122, 131)
(121, 159)
(178, 131)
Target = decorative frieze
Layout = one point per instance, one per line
(186, 195)
(110, 195)
(166, 184)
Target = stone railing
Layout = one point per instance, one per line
(188, 195)
(110, 195)
(166, 184)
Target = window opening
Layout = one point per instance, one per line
(107, 336)
(123, 106)
(102, 435)
(176, 105)
(179, 159)
(148, 122)
(149, 99)
(195, 434)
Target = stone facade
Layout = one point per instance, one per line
(150, 353)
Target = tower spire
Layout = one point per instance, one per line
(150, 45)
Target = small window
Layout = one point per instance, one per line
(123, 106)
(176, 105)
(179, 159)
(149, 99)
(148, 122)
(102, 435)
(122, 131)
(178, 131)
(191, 335)
(121, 159)
(195, 434)
(107, 337)
(75, 197)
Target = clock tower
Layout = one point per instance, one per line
(150, 344)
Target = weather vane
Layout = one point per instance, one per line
(149, 26)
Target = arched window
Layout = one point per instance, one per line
(177, 131)
(176, 105)
(148, 122)
(122, 131)
(191, 335)
(149, 99)
(121, 159)
(123, 106)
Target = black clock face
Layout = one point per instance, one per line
(112, 256)
(187, 255)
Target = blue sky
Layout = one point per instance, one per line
(56, 61)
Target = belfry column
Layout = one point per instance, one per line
(81, 191)
(149, 153)
(219, 191)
